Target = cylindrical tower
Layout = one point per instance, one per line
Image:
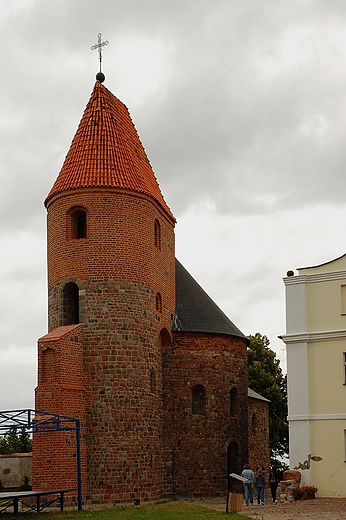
(111, 268)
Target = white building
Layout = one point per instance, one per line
(316, 372)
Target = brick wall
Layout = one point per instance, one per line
(60, 390)
(197, 446)
(118, 271)
(120, 371)
(259, 454)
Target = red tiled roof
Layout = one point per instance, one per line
(106, 151)
(59, 332)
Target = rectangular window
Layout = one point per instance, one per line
(344, 445)
(344, 366)
(343, 299)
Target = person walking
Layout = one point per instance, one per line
(260, 483)
(255, 476)
(250, 479)
(274, 479)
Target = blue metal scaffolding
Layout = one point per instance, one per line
(38, 421)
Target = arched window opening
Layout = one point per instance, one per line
(70, 314)
(165, 338)
(78, 224)
(158, 303)
(233, 401)
(165, 342)
(198, 400)
(157, 234)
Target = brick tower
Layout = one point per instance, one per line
(111, 302)
(136, 350)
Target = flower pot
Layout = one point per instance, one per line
(310, 496)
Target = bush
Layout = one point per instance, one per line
(25, 486)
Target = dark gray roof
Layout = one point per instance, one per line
(196, 311)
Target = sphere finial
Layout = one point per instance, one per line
(100, 77)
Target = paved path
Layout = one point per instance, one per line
(318, 509)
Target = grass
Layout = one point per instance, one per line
(160, 511)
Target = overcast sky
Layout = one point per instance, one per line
(241, 107)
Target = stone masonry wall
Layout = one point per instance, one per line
(14, 469)
(196, 446)
(259, 454)
(119, 271)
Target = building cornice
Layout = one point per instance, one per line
(314, 337)
(318, 417)
(313, 278)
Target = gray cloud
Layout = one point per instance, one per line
(253, 103)
(241, 109)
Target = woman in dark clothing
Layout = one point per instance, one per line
(274, 480)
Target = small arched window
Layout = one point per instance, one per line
(157, 234)
(158, 303)
(78, 223)
(233, 401)
(165, 338)
(70, 314)
(165, 342)
(198, 400)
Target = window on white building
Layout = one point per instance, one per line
(344, 367)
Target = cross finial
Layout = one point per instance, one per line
(99, 46)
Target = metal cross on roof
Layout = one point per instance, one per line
(99, 46)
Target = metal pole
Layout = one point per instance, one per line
(79, 465)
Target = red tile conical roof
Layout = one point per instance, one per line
(106, 151)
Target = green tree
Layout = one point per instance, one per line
(266, 378)
(12, 442)
(25, 442)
